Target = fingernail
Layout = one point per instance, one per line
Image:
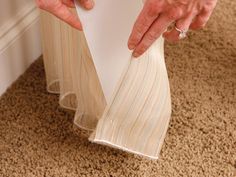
(135, 54)
(89, 4)
(131, 46)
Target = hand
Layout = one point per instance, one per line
(157, 15)
(60, 8)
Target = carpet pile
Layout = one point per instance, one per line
(38, 138)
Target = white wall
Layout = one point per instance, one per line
(9, 8)
(19, 39)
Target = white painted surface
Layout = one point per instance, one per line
(9, 8)
(19, 39)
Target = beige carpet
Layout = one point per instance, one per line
(37, 137)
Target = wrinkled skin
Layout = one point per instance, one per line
(153, 21)
(157, 15)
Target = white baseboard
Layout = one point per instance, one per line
(20, 45)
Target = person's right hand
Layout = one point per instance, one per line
(157, 15)
(60, 8)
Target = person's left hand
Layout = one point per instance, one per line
(61, 9)
(157, 15)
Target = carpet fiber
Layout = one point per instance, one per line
(38, 138)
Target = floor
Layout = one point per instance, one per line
(38, 138)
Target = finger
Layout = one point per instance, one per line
(182, 24)
(61, 11)
(145, 19)
(201, 19)
(158, 27)
(69, 3)
(87, 4)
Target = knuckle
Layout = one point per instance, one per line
(139, 28)
(154, 8)
(151, 36)
(69, 18)
(175, 13)
(48, 5)
(132, 40)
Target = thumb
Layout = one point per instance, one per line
(87, 4)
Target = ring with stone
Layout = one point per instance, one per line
(182, 33)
